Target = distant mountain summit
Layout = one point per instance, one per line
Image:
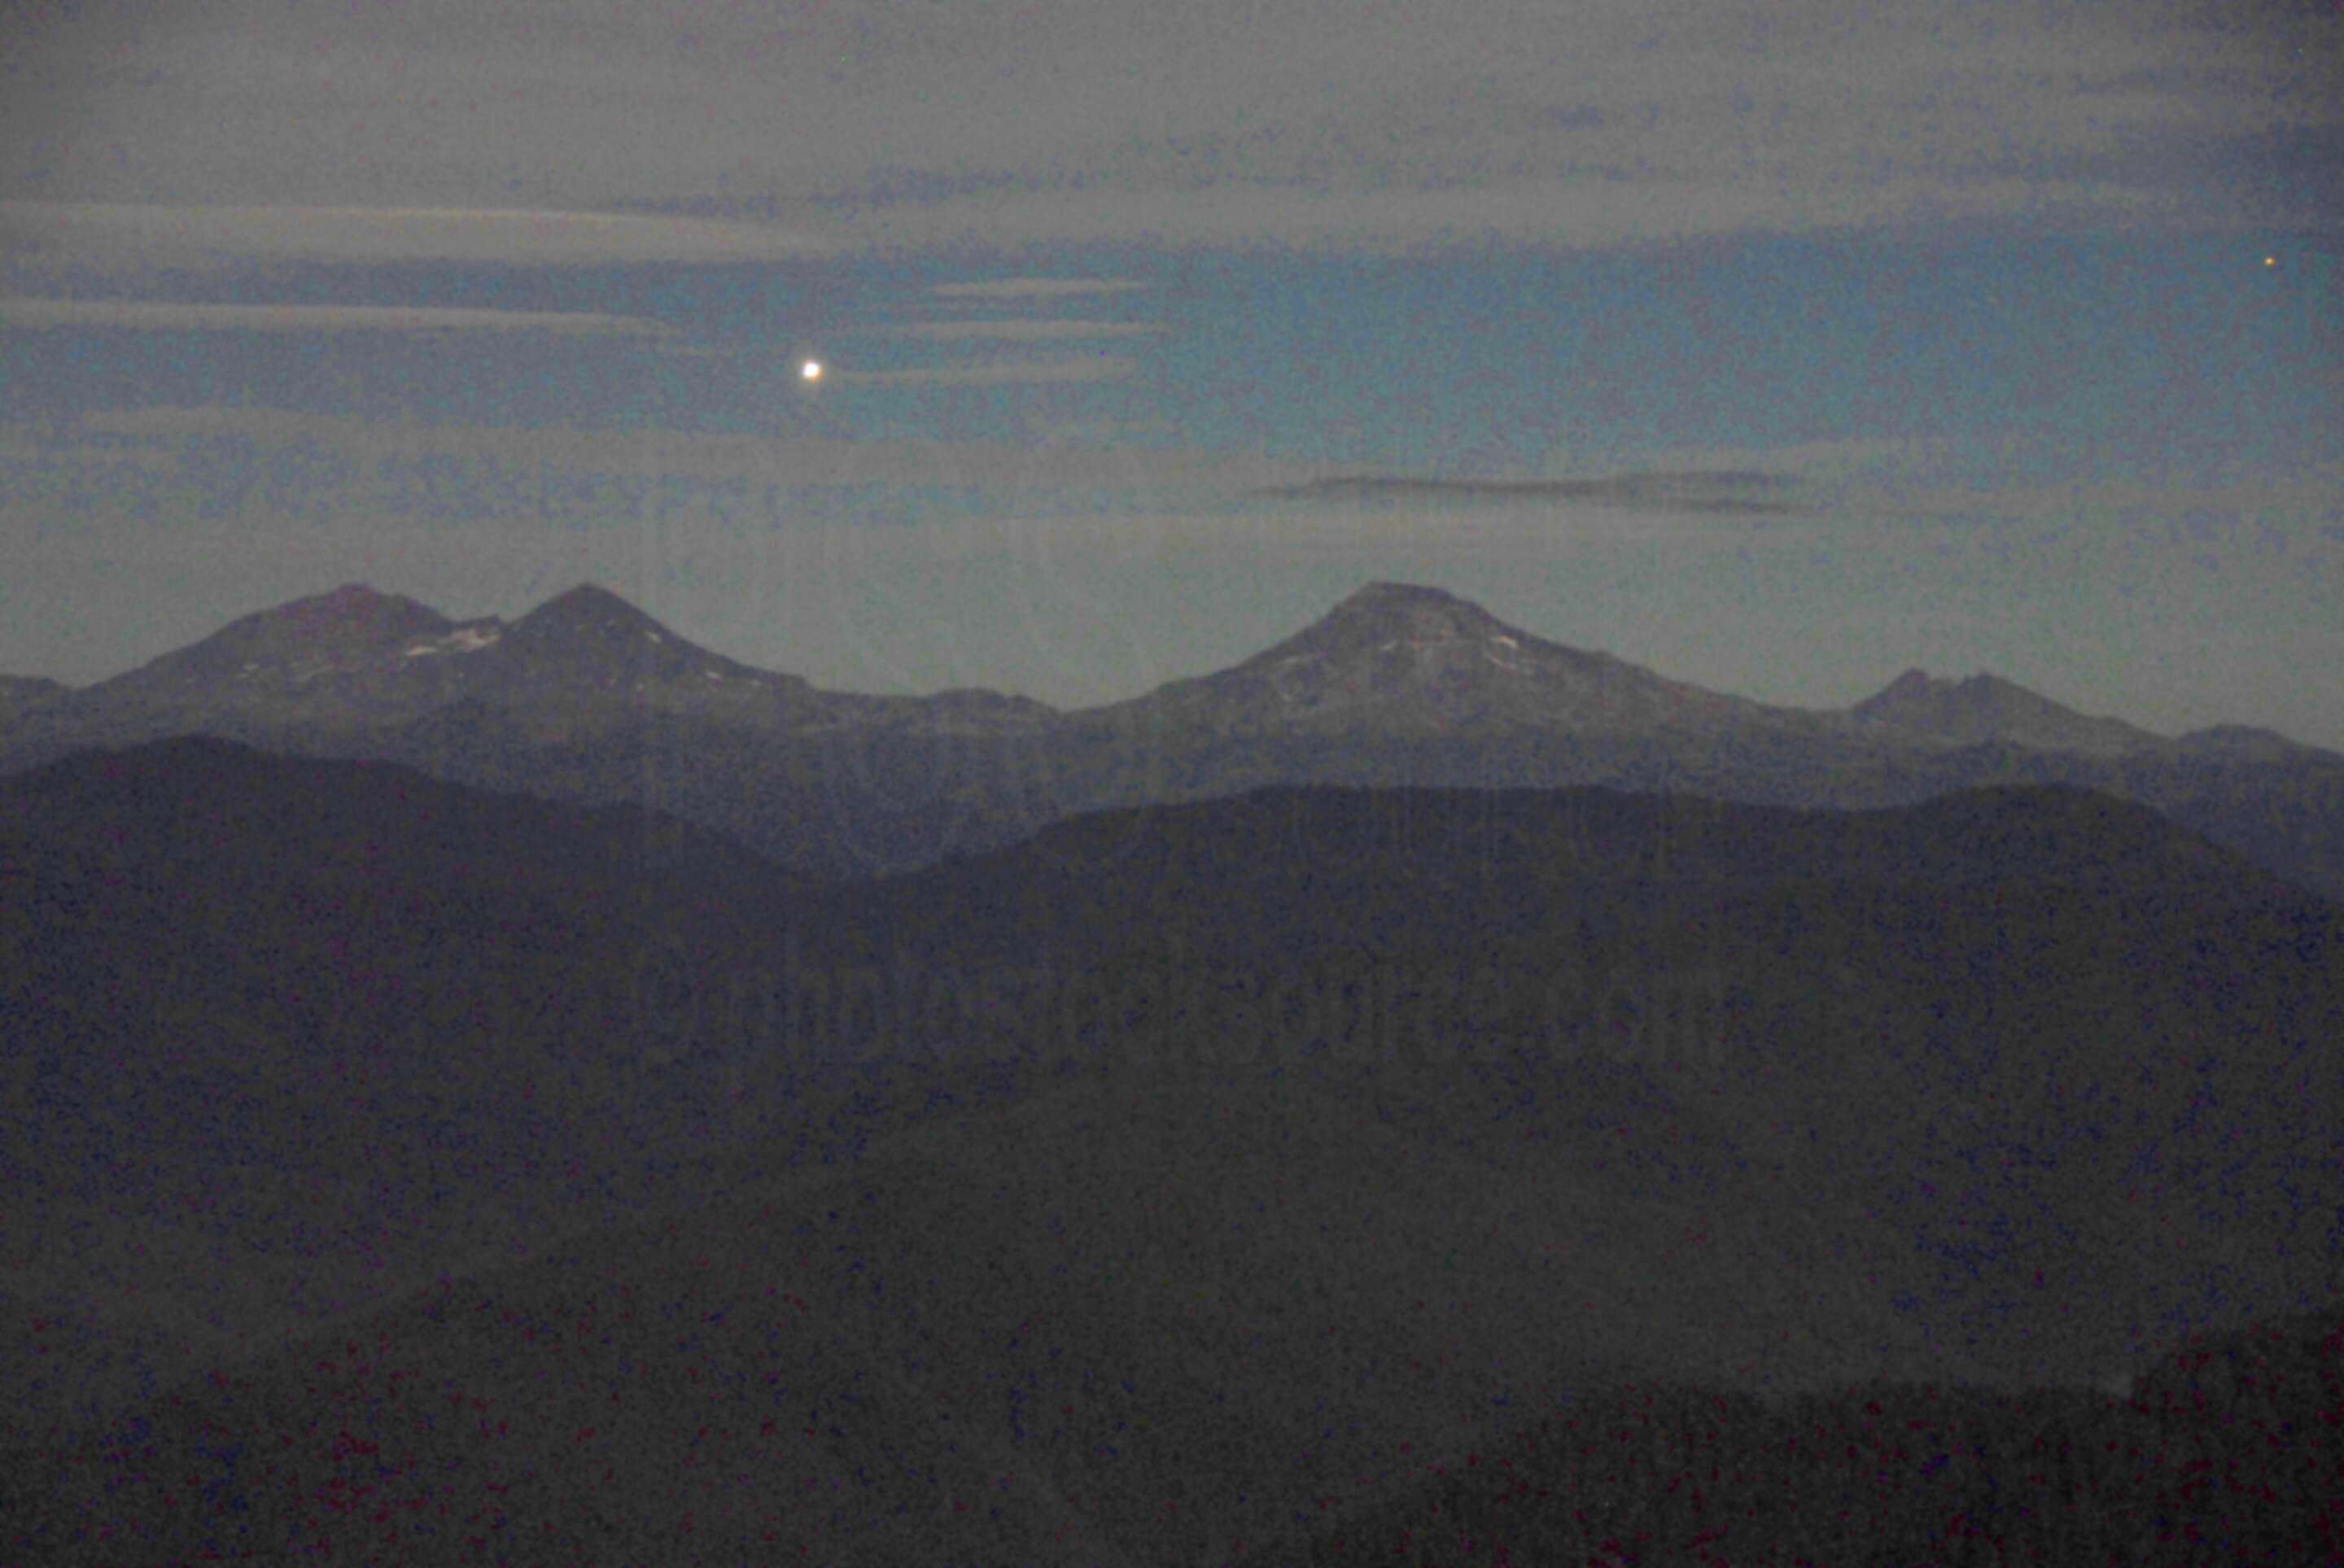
(334, 659)
(591, 629)
(1985, 709)
(587, 658)
(2243, 742)
(329, 633)
(1400, 659)
(355, 661)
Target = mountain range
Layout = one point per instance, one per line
(587, 697)
(1392, 660)
(380, 1145)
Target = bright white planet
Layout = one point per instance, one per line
(810, 370)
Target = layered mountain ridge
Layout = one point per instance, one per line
(1392, 658)
(587, 696)
(356, 659)
(566, 1166)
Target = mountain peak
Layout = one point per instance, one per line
(351, 624)
(1914, 682)
(1385, 593)
(1405, 659)
(589, 640)
(591, 615)
(584, 604)
(1411, 600)
(1410, 611)
(354, 606)
(1984, 708)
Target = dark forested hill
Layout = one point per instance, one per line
(1169, 1183)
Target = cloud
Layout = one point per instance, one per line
(1741, 493)
(1035, 287)
(1020, 331)
(1309, 121)
(1099, 368)
(1581, 210)
(2292, 502)
(171, 316)
(1068, 460)
(110, 235)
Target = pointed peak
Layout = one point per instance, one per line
(1913, 681)
(589, 610)
(585, 598)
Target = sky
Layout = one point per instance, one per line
(1778, 349)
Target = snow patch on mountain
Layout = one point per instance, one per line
(469, 639)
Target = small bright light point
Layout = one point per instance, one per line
(2270, 261)
(810, 370)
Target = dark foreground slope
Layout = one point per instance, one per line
(2058, 1078)
(1139, 1194)
(283, 1035)
(2229, 1450)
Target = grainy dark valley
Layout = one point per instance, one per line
(1127, 787)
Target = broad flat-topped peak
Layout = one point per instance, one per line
(1399, 593)
(1982, 708)
(1918, 683)
(1411, 609)
(352, 601)
(588, 595)
(352, 619)
(1405, 659)
(1390, 600)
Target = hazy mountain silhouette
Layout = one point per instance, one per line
(2244, 741)
(332, 659)
(1986, 708)
(316, 670)
(570, 1165)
